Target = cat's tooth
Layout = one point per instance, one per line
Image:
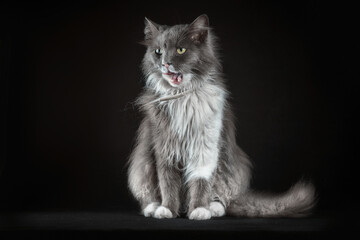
(180, 77)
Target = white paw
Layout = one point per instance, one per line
(163, 212)
(200, 213)
(150, 209)
(217, 209)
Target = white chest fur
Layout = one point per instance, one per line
(194, 130)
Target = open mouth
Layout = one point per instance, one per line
(175, 77)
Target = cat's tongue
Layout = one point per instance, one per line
(176, 78)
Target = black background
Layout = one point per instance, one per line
(70, 72)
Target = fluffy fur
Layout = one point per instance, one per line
(186, 157)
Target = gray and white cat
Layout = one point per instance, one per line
(186, 158)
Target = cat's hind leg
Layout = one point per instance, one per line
(143, 185)
(142, 176)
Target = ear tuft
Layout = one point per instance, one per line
(151, 29)
(199, 29)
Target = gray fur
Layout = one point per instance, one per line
(186, 154)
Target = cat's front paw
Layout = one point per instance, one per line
(163, 212)
(150, 209)
(200, 213)
(217, 209)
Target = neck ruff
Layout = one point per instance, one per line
(171, 97)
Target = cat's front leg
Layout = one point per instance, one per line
(199, 176)
(199, 195)
(170, 185)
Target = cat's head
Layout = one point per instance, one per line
(179, 56)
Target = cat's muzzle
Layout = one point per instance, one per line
(174, 77)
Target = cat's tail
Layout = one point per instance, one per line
(298, 201)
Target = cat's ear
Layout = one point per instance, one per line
(199, 29)
(151, 30)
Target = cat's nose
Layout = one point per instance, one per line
(167, 64)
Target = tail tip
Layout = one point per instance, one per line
(304, 190)
(304, 194)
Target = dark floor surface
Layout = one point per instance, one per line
(127, 225)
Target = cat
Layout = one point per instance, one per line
(186, 159)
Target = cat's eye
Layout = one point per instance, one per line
(181, 50)
(158, 51)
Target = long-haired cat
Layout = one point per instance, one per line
(186, 157)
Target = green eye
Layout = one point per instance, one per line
(181, 50)
(158, 51)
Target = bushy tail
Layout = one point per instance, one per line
(298, 201)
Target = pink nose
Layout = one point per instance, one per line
(167, 65)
